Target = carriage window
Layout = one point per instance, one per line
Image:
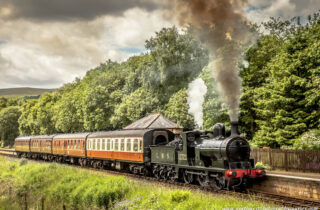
(140, 145)
(103, 144)
(78, 144)
(116, 145)
(108, 145)
(135, 145)
(98, 144)
(128, 145)
(122, 144)
(93, 144)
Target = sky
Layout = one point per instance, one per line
(47, 43)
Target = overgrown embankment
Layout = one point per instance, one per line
(25, 185)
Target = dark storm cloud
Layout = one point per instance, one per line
(71, 9)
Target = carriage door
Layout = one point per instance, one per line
(160, 137)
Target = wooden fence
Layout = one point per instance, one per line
(289, 160)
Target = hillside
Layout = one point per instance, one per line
(24, 91)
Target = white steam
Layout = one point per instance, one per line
(196, 92)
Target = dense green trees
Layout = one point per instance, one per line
(115, 94)
(279, 105)
(281, 84)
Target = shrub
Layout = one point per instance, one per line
(180, 196)
(308, 140)
(262, 165)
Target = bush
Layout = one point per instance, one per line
(180, 196)
(262, 165)
(308, 140)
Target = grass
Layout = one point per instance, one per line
(51, 186)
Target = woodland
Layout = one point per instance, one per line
(280, 89)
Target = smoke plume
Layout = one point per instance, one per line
(223, 27)
(196, 92)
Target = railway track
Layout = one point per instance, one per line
(281, 200)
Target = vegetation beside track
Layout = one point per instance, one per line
(29, 185)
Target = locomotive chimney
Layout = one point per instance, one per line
(234, 128)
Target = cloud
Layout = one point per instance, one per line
(49, 54)
(65, 10)
(47, 43)
(262, 10)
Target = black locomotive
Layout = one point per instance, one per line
(209, 158)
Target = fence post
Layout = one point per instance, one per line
(286, 159)
(270, 157)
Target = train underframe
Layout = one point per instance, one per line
(203, 177)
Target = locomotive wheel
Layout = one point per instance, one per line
(188, 178)
(172, 175)
(155, 172)
(203, 181)
(163, 173)
(217, 183)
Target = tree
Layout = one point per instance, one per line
(177, 59)
(256, 73)
(284, 105)
(9, 126)
(3, 102)
(214, 110)
(27, 122)
(177, 110)
(134, 106)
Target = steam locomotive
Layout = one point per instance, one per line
(209, 158)
(205, 157)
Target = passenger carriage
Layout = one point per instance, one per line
(124, 149)
(69, 147)
(22, 145)
(40, 146)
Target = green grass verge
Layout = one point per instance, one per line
(51, 186)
